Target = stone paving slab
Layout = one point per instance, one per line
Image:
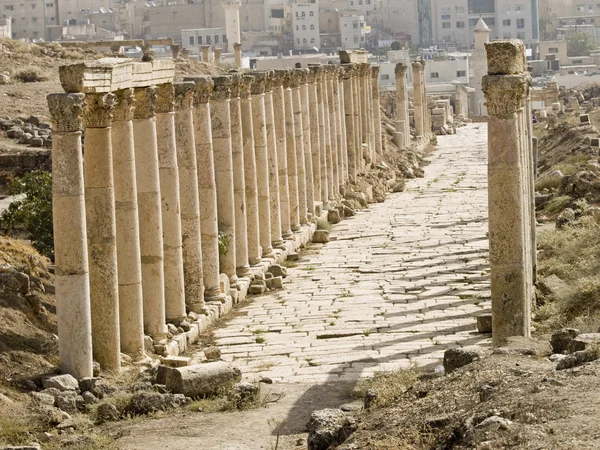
(402, 282)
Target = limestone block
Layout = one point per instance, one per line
(584, 119)
(274, 283)
(61, 382)
(202, 379)
(484, 323)
(506, 57)
(176, 361)
(320, 237)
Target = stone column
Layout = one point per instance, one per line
(326, 149)
(131, 315)
(506, 91)
(338, 95)
(357, 115)
(402, 103)
(300, 76)
(262, 161)
(291, 142)
(251, 191)
(279, 109)
(149, 211)
(169, 192)
(188, 193)
(70, 237)
(217, 56)
(237, 52)
(276, 238)
(221, 136)
(426, 111)
(347, 75)
(239, 183)
(205, 49)
(364, 111)
(332, 162)
(322, 161)
(315, 140)
(376, 109)
(101, 230)
(418, 101)
(207, 192)
(306, 133)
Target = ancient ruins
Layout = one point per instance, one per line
(185, 192)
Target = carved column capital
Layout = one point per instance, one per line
(145, 102)
(347, 71)
(66, 111)
(204, 87)
(237, 79)
(246, 86)
(400, 70)
(98, 109)
(237, 46)
(313, 71)
(124, 105)
(270, 81)
(301, 75)
(279, 76)
(258, 85)
(505, 94)
(184, 94)
(375, 72)
(165, 98)
(222, 88)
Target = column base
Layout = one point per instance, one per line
(296, 227)
(278, 244)
(268, 252)
(243, 271)
(288, 235)
(213, 295)
(198, 307)
(255, 261)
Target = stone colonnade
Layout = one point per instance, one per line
(185, 190)
(511, 189)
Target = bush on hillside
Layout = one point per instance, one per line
(30, 75)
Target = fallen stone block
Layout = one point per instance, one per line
(455, 358)
(328, 428)
(333, 216)
(278, 271)
(561, 339)
(578, 359)
(275, 283)
(293, 256)
(62, 383)
(321, 237)
(484, 323)
(202, 379)
(176, 361)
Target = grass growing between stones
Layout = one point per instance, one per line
(231, 401)
(573, 255)
(389, 386)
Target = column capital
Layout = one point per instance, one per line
(184, 94)
(301, 75)
(222, 87)
(505, 94)
(400, 70)
(98, 110)
(279, 76)
(237, 46)
(270, 81)
(375, 72)
(314, 71)
(204, 87)
(417, 66)
(66, 111)
(124, 105)
(205, 47)
(258, 85)
(347, 71)
(165, 98)
(145, 102)
(246, 86)
(237, 78)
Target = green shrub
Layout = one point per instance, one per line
(33, 212)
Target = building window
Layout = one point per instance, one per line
(34, 19)
(445, 16)
(368, 2)
(520, 35)
(553, 50)
(520, 23)
(312, 40)
(445, 10)
(208, 41)
(461, 73)
(49, 5)
(351, 3)
(355, 26)
(298, 40)
(385, 77)
(360, 2)
(303, 27)
(506, 23)
(9, 7)
(224, 39)
(216, 38)
(580, 8)
(311, 13)
(312, 27)
(51, 19)
(446, 25)
(435, 75)
(36, 33)
(304, 41)
(460, 24)
(297, 27)
(33, 5)
(356, 39)
(191, 40)
(303, 14)
(578, 61)
(199, 40)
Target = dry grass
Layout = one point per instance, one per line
(229, 401)
(30, 75)
(23, 257)
(388, 385)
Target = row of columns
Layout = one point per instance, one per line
(245, 158)
(421, 113)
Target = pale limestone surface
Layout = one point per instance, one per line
(402, 283)
(314, 116)
(349, 121)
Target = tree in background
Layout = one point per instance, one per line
(580, 44)
(33, 212)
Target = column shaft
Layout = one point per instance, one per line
(326, 148)
(291, 143)
(70, 237)
(418, 99)
(376, 109)
(306, 133)
(332, 164)
(321, 94)
(300, 78)
(357, 126)
(131, 314)
(349, 121)
(315, 140)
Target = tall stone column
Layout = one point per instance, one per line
(364, 110)
(239, 183)
(426, 112)
(418, 100)
(221, 136)
(131, 315)
(101, 230)
(315, 139)
(326, 170)
(338, 95)
(188, 193)
(70, 237)
(251, 190)
(279, 109)
(347, 75)
(402, 102)
(169, 192)
(237, 53)
(506, 90)
(332, 161)
(300, 76)
(306, 133)
(207, 192)
(370, 109)
(322, 162)
(276, 238)
(262, 161)
(357, 115)
(205, 49)
(149, 211)
(291, 143)
(376, 109)
(217, 56)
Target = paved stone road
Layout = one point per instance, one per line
(401, 283)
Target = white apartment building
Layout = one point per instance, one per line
(352, 30)
(29, 18)
(305, 25)
(192, 38)
(455, 69)
(401, 20)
